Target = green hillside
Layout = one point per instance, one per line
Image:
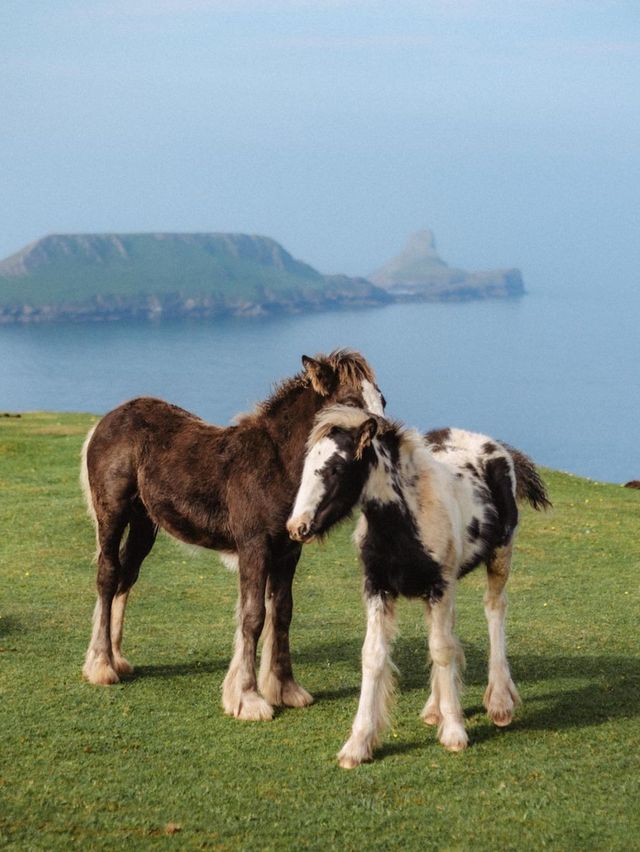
(88, 275)
(128, 766)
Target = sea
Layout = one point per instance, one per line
(552, 374)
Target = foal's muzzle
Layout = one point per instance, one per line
(300, 528)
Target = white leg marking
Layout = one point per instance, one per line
(275, 691)
(268, 683)
(501, 696)
(236, 700)
(377, 684)
(118, 606)
(97, 667)
(446, 655)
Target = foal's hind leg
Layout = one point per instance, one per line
(98, 666)
(240, 696)
(276, 681)
(501, 696)
(140, 539)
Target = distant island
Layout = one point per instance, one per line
(420, 273)
(119, 276)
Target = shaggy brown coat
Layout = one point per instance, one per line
(148, 465)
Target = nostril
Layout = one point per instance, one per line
(300, 530)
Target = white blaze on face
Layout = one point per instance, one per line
(312, 487)
(372, 398)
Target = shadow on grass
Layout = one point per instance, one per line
(10, 624)
(609, 688)
(389, 749)
(171, 670)
(336, 694)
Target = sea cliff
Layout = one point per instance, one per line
(90, 277)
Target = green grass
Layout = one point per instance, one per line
(111, 767)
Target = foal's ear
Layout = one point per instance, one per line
(366, 434)
(320, 374)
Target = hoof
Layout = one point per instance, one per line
(458, 745)
(348, 762)
(294, 695)
(353, 753)
(500, 703)
(501, 718)
(287, 693)
(454, 738)
(122, 666)
(431, 716)
(100, 672)
(253, 708)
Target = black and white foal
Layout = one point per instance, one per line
(433, 508)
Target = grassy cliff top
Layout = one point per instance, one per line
(78, 267)
(102, 767)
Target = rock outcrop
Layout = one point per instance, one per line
(419, 273)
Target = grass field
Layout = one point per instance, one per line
(153, 762)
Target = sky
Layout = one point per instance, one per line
(338, 127)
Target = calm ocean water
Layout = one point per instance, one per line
(557, 378)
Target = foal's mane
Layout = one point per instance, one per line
(350, 367)
(336, 416)
(350, 417)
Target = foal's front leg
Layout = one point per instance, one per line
(276, 680)
(377, 683)
(240, 696)
(443, 706)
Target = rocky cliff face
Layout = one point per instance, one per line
(419, 272)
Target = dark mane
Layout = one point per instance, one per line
(350, 367)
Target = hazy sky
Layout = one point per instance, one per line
(512, 128)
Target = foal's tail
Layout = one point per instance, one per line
(529, 484)
(84, 481)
